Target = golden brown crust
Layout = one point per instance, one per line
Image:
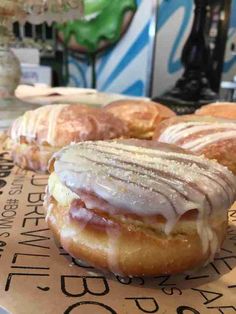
(31, 156)
(128, 249)
(3, 137)
(141, 116)
(224, 151)
(221, 110)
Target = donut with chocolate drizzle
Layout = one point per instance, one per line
(137, 207)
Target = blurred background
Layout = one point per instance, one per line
(137, 48)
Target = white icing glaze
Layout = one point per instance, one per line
(198, 144)
(33, 121)
(49, 212)
(216, 132)
(152, 177)
(148, 182)
(55, 187)
(113, 250)
(208, 236)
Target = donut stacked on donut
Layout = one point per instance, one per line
(213, 137)
(141, 116)
(219, 109)
(138, 208)
(36, 135)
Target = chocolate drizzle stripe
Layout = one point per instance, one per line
(172, 176)
(128, 181)
(145, 182)
(186, 161)
(158, 172)
(185, 158)
(163, 173)
(222, 186)
(146, 188)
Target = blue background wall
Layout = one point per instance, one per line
(127, 67)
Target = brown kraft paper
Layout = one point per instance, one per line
(36, 276)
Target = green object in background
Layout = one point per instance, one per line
(94, 6)
(106, 24)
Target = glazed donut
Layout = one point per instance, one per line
(213, 137)
(138, 207)
(36, 135)
(141, 116)
(219, 109)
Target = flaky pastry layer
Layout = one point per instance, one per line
(32, 156)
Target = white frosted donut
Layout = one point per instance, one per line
(138, 207)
